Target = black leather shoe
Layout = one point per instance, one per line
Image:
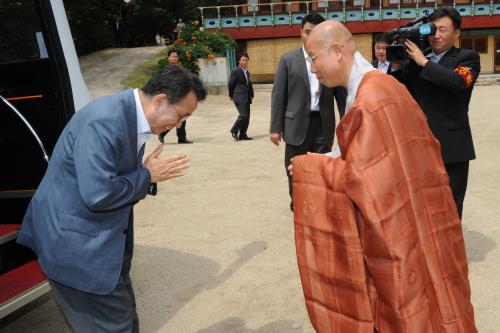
(186, 141)
(242, 138)
(234, 135)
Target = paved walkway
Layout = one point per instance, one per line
(215, 251)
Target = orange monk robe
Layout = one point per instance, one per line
(378, 238)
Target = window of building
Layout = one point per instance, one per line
(478, 44)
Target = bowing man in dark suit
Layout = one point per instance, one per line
(441, 82)
(379, 49)
(302, 109)
(241, 93)
(80, 220)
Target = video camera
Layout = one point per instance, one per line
(416, 30)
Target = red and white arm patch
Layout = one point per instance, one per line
(466, 75)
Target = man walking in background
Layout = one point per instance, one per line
(302, 109)
(241, 93)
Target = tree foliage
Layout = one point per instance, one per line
(193, 44)
(94, 22)
(16, 43)
(91, 23)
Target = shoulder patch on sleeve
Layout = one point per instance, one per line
(466, 75)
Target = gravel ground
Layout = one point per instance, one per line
(215, 251)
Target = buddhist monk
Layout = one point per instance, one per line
(379, 242)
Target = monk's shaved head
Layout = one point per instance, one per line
(332, 32)
(331, 49)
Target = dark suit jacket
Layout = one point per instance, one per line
(291, 101)
(375, 64)
(443, 91)
(240, 90)
(76, 220)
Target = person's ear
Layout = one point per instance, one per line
(337, 51)
(159, 100)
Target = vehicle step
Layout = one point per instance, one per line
(8, 232)
(21, 286)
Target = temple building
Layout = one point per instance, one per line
(267, 29)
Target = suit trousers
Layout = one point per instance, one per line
(181, 131)
(458, 174)
(114, 312)
(314, 143)
(243, 120)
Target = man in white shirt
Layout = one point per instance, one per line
(381, 63)
(240, 91)
(302, 111)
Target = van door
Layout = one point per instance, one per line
(36, 93)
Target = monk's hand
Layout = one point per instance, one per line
(276, 138)
(164, 168)
(415, 53)
(290, 167)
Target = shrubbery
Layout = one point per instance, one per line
(192, 44)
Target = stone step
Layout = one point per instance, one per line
(488, 80)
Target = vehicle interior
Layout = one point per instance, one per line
(35, 103)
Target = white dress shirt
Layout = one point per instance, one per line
(383, 66)
(360, 67)
(143, 129)
(313, 84)
(245, 71)
(435, 58)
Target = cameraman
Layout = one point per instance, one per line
(441, 82)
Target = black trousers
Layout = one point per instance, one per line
(181, 131)
(241, 124)
(314, 143)
(458, 174)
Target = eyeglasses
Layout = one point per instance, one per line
(313, 58)
(180, 116)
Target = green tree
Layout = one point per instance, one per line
(93, 22)
(17, 43)
(144, 18)
(193, 44)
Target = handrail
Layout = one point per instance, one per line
(262, 4)
(361, 6)
(28, 125)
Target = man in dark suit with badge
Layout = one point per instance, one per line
(302, 111)
(241, 93)
(441, 82)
